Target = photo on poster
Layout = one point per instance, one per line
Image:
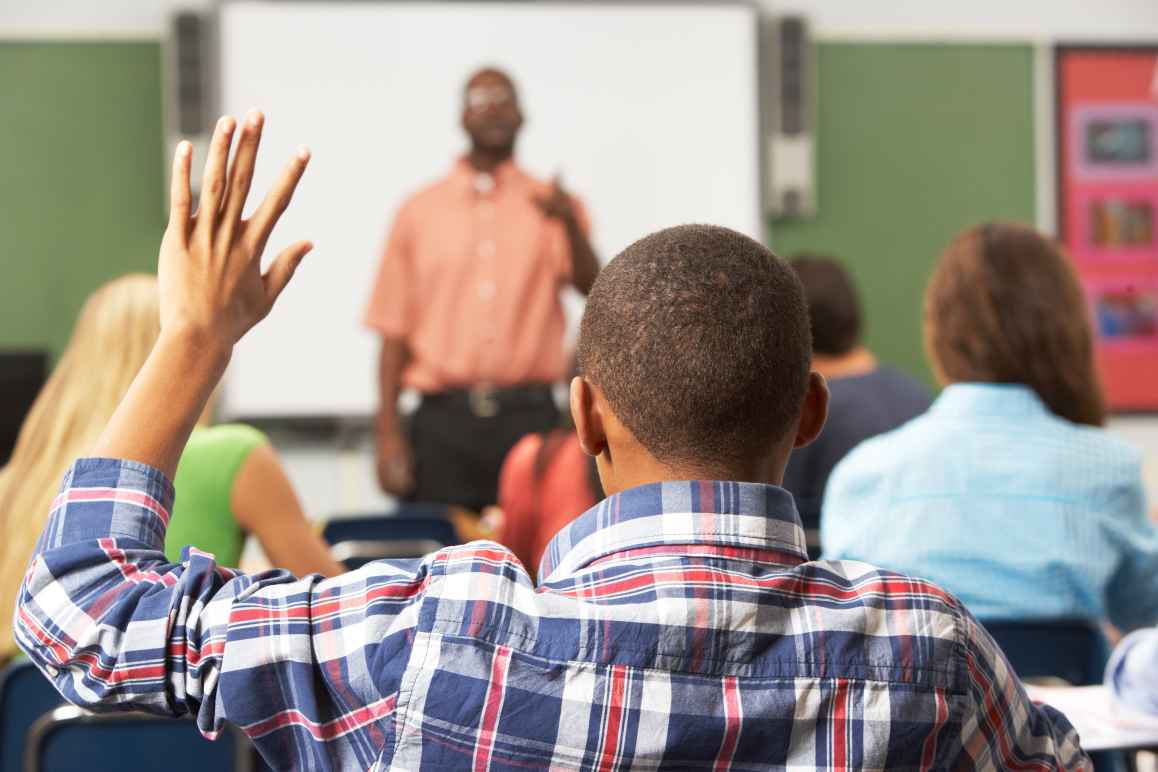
(1120, 222)
(1113, 141)
(1121, 141)
(1126, 314)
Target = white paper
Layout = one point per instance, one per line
(1102, 722)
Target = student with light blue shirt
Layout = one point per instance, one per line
(1007, 491)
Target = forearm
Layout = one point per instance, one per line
(391, 362)
(584, 261)
(153, 421)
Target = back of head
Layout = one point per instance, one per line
(1005, 306)
(114, 333)
(834, 307)
(698, 338)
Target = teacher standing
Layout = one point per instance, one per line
(468, 305)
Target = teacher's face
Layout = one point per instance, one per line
(490, 112)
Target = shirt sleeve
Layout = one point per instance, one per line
(1001, 728)
(1132, 673)
(296, 663)
(389, 310)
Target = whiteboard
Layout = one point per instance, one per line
(649, 112)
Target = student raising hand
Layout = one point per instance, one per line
(212, 291)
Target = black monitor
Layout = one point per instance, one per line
(22, 376)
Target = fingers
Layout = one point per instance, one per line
(241, 172)
(283, 267)
(180, 199)
(276, 201)
(213, 181)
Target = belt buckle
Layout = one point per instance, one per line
(483, 401)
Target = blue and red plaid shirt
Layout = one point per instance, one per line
(678, 626)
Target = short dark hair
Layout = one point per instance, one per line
(698, 338)
(833, 303)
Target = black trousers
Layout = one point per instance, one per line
(460, 439)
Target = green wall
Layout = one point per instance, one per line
(915, 142)
(81, 163)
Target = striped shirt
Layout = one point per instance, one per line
(677, 626)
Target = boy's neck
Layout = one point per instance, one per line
(645, 471)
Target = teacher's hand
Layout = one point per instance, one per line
(395, 463)
(209, 269)
(557, 204)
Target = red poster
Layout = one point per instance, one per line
(1107, 129)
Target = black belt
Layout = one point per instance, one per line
(490, 401)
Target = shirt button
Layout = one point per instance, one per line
(484, 183)
(486, 248)
(486, 289)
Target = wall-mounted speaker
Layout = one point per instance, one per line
(789, 57)
(190, 84)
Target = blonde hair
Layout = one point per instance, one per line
(114, 333)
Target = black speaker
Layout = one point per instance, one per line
(190, 74)
(789, 116)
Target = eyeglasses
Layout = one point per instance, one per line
(481, 97)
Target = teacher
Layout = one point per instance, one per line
(467, 302)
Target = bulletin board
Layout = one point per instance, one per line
(1107, 129)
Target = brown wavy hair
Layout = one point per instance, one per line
(1005, 306)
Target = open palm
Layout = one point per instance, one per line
(209, 267)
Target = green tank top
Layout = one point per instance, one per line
(202, 515)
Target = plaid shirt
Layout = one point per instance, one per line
(678, 626)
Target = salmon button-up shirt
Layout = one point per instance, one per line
(471, 280)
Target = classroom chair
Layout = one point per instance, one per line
(70, 739)
(25, 696)
(411, 532)
(1074, 650)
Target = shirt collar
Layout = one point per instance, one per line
(660, 515)
(996, 399)
(467, 176)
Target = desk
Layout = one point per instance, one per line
(1103, 722)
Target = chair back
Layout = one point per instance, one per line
(1074, 650)
(70, 739)
(25, 696)
(412, 532)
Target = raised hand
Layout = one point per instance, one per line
(557, 204)
(212, 290)
(209, 268)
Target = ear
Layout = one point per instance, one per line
(813, 411)
(588, 420)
